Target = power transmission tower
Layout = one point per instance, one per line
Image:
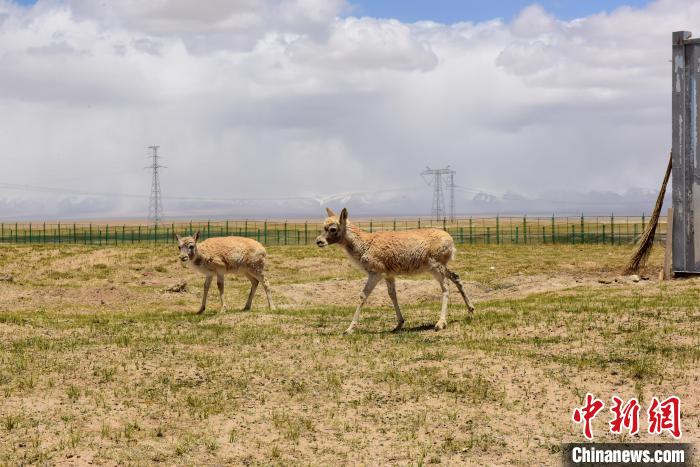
(155, 202)
(439, 178)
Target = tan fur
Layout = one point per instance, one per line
(226, 255)
(389, 254)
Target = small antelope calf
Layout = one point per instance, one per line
(389, 254)
(223, 255)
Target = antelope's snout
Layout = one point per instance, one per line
(321, 242)
(184, 258)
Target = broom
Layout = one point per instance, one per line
(646, 242)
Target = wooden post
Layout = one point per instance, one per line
(668, 249)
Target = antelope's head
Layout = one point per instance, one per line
(334, 228)
(187, 246)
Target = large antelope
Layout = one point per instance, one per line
(389, 254)
(223, 255)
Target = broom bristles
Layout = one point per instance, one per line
(646, 242)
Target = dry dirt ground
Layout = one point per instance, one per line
(100, 365)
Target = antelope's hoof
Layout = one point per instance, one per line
(440, 325)
(246, 308)
(201, 310)
(470, 308)
(398, 327)
(349, 330)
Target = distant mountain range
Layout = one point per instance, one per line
(381, 204)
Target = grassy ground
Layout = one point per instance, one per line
(98, 364)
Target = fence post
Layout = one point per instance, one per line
(370, 226)
(30, 233)
(525, 230)
(583, 231)
(265, 232)
(471, 232)
(419, 222)
(106, 234)
(285, 231)
(394, 225)
(544, 239)
(554, 236)
(516, 234)
(488, 235)
(2, 231)
(306, 232)
(90, 231)
(612, 229)
(498, 232)
(573, 234)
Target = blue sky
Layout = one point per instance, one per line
(452, 11)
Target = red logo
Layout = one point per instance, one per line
(665, 416)
(626, 417)
(587, 413)
(662, 415)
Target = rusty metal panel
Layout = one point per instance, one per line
(686, 159)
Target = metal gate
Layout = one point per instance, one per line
(686, 159)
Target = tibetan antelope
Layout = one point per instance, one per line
(389, 254)
(224, 255)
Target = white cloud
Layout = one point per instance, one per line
(284, 97)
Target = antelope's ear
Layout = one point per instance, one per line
(196, 236)
(330, 212)
(343, 216)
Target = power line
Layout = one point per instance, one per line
(155, 201)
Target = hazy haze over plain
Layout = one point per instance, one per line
(299, 98)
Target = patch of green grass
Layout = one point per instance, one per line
(10, 422)
(292, 427)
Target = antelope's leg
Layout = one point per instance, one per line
(260, 276)
(442, 280)
(372, 281)
(253, 287)
(268, 293)
(207, 283)
(220, 285)
(391, 288)
(454, 277)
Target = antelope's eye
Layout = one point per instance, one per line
(333, 229)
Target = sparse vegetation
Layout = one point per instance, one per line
(98, 364)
